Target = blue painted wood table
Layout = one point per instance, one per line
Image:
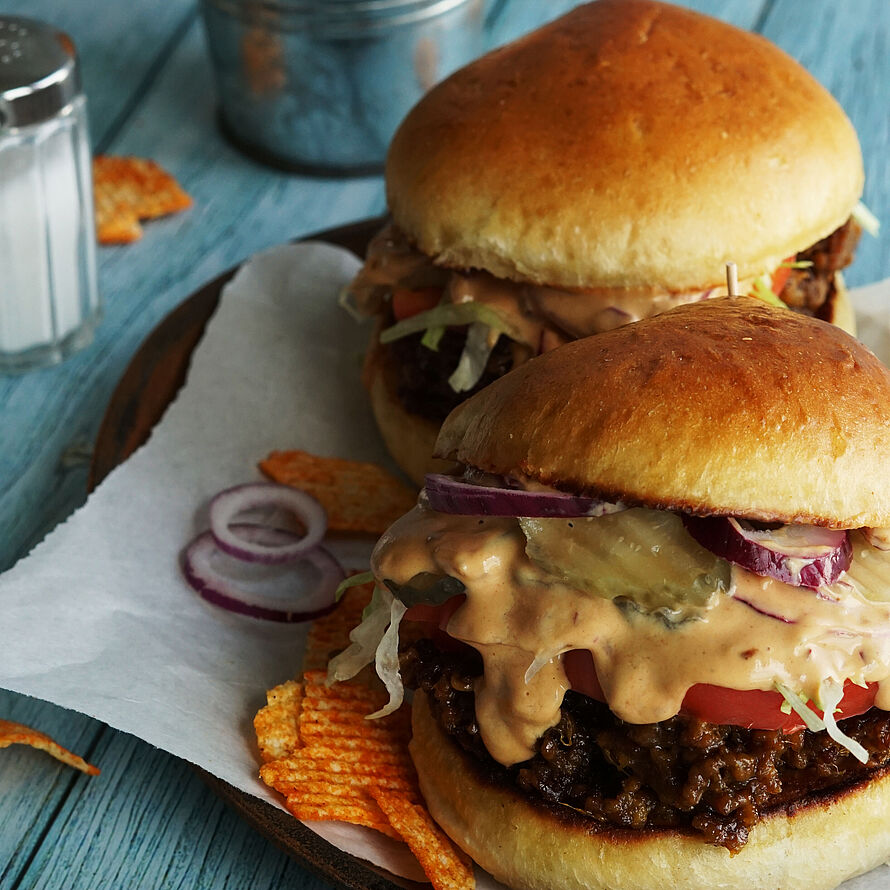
(149, 820)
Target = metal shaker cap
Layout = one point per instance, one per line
(39, 75)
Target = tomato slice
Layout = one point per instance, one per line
(412, 301)
(780, 278)
(750, 708)
(435, 615)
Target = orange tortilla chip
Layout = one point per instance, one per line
(17, 734)
(126, 190)
(358, 496)
(447, 867)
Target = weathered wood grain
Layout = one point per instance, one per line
(32, 784)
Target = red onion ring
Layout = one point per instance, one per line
(260, 590)
(803, 556)
(447, 494)
(232, 502)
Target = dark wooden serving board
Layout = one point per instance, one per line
(147, 387)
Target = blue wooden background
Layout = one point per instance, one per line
(148, 821)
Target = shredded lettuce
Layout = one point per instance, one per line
(797, 703)
(446, 315)
(346, 300)
(386, 661)
(352, 581)
(538, 662)
(433, 336)
(376, 640)
(471, 366)
(830, 694)
(762, 289)
(866, 219)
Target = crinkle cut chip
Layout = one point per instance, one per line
(358, 496)
(447, 867)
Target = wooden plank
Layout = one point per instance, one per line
(120, 45)
(32, 784)
(844, 45)
(149, 821)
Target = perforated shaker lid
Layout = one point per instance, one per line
(39, 73)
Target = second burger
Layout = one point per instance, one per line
(598, 171)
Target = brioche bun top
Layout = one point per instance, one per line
(629, 143)
(726, 407)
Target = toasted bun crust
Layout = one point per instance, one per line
(408, 437)
(826, 840)
(629, 143)
(724, 407)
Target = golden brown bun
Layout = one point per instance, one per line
(528, 846)
(724, 407)
(408, 437)
(629, 143)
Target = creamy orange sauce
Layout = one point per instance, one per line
(522, 620)
(544, 317)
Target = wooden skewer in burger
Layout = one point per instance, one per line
(655, 609)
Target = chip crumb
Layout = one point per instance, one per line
(358, 496)
(19, 734)
(127, 190)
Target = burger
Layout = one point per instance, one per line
(651, 615)
(596, 172)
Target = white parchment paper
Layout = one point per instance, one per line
(123, 638)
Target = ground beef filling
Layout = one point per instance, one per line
(811, 289)
(422, 384)
(714, 780)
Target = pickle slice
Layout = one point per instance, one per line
(644, 556)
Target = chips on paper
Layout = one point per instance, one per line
(332, 764)
(18, 734)
(126, 190)
(358, 496)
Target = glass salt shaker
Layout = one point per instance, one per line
(49, 302)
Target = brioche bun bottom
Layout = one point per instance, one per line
(815, 845)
